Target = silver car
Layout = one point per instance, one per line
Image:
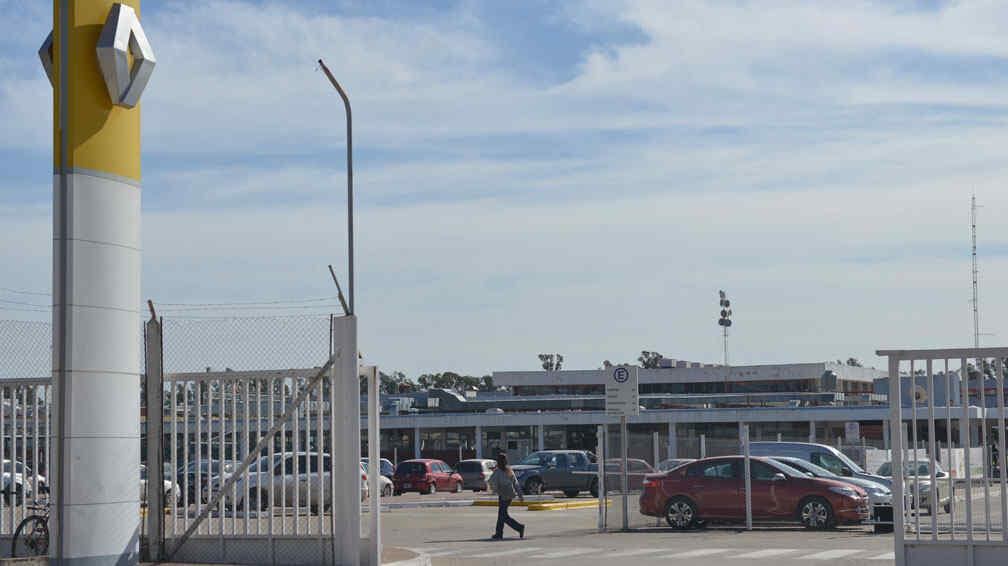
(475, 473)
(918, 472)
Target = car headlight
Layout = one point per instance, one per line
(845, 491)
(879, 490)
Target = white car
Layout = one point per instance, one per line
(301, 489)
(170, 492)
(384, 483)
(19, 482)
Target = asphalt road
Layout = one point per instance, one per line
(461, 537)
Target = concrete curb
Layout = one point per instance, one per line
(427, 504)
(549, 505)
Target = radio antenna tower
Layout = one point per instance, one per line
(976, 277)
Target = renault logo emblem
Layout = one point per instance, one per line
(122, 36)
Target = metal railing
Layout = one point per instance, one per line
(25, 450)
(967, 504)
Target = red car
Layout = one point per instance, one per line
(713, 489)
(425, 476)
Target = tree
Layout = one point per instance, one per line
(488, 384)
(649, 360)
(551, 362)
(854, 362)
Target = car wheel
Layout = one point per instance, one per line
(458, 487)
(948, 507)
(386, 491)
(680, 513)
(396, 492)
(571, 492)
(534, 486)
(816, 513)
(593, 489)
(431, 489)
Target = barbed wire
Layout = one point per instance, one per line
(269, 304)
(19, 292)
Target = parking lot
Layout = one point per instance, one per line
(461, 536)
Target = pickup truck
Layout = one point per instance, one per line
(569, 471)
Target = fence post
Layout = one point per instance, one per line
(603, 495)
(703, 446)
(655, 453)
(374, 462)
(673, 441)
(154, 379)
(744, 429)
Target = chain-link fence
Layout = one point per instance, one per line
(25, 349)
(227, 382)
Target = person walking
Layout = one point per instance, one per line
(505, 485)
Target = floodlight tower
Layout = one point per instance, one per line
(98, 61)
(725, 322)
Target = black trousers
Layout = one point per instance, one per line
(503, 517)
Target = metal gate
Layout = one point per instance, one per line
(947, 429)
(253, 463)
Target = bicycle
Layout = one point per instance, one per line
(32, 535)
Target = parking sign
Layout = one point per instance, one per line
(622, 398)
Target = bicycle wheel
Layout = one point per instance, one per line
(31, 537)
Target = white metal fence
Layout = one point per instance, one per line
(255, 466)
(947, 518)
(25, 452)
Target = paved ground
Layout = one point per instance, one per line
(460, 536)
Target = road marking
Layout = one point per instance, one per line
(830, 554)
(699, 552)
(886, 556)
(511, 552)
(767, 553)
(636, 552)
(444, 552)
(565, 553)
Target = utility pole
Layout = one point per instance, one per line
(976, 275)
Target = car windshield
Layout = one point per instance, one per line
(793, 472)
(850, 463)
(910, 469)
(21, 468)
(468, 466)
(809, 468)
(407, 468)
(537, 459)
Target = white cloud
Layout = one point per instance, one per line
(776, 150)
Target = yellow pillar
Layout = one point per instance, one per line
(96, 289)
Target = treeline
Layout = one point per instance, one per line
(398, 382)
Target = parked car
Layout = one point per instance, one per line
(19, 482)
(385, 484)
(821, 455)
(712, 490)
(425, 476)
(672, 463)
(637, 471)
(208, 469)
(920, 472)
(297, 479)
(569, 471)
(170, 492)
(879, 496)
(475, 473)
(387, 468)
(364, 487)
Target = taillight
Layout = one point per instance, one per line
(650, 483)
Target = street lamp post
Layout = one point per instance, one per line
(349, 159)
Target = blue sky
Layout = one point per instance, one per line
(579, 177)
